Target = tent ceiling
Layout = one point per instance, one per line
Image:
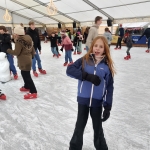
(78, 10)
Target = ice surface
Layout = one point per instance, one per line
(47, 123)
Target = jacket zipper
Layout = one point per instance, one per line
(81, 87)
(93, 84)
(104, 87)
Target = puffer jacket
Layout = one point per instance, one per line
(88, 93)
(24, 51)
(66, 43)
(5, 42)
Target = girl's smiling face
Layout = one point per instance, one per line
(98, 48)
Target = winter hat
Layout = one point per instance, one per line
(19, 30)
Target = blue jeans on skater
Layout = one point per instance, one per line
(11, 63)
(149, 43)
(36, 58)
(68, 56)
(54, 51)
(87, 48)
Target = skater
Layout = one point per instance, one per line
(2, 95)
(129, 42)
(95, 73)
(147, 34)
(5, 43)
(78, 43)
(120, 37)
(67, 44)
(33, 33)
(45, 35)
(53, 39)
(59, 39)
(93, 32)
(24, 51)
(86, 34)
(108, 36)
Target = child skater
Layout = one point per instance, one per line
(53, 39)
(25, 52)
(67, 44)
(108, 36)
(129, 42)
(95, 73)
(2, 96)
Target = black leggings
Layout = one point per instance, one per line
(77, 139)
(28, 82)
(119, 42)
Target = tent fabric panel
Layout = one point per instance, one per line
(46, 20)
(87, 16)
(119, 12)
(136, 9)
(28, 2)
(10, 5)
(68, 6)
(62, 18)
(29, 13)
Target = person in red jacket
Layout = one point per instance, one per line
(67, 44)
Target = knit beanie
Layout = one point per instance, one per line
(19, 30)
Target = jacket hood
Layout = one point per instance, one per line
(25, 41)
(96, 26)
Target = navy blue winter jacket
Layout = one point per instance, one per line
(88, 93)
(121, 32)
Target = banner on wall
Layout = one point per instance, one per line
(136, 40)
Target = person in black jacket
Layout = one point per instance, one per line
(53, 39)
(33, 32)
(121, 35)
(147, 34)
(5, 43)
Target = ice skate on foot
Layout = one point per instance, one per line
(147, 51)
(70, 63)
(23, 89)
(16, 76)
(66, 63)
(2, 96)
(30, 96)
(35, 73)
(42, 71)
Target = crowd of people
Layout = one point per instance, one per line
(95, 86)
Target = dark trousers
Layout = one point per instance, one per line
(119, 42)
(128, 50)
(28, 82)
(77, 139)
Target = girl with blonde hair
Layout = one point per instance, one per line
(95, 73)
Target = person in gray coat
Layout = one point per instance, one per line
(108, 36)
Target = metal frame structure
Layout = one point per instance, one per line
(89, 2)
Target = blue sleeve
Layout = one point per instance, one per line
(75, 70)
(108, 99)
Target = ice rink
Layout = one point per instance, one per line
(48, 122)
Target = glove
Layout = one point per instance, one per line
(106, 114)
(61, 49)
(72, 49)
(91, 78)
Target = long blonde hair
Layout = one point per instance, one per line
(106, 52)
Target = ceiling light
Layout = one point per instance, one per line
(51, 8)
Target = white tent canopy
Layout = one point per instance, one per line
(77, 10)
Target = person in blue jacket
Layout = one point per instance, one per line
(120, 37)
(95, 73)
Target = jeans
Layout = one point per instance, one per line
(119, 42)
(87, 48)
(54, 50)
(28, 82)
(68, 55)
(77, 139)
(11, 63)
(149, 43)
(128, 51)
(36, 58)
(79, 47)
